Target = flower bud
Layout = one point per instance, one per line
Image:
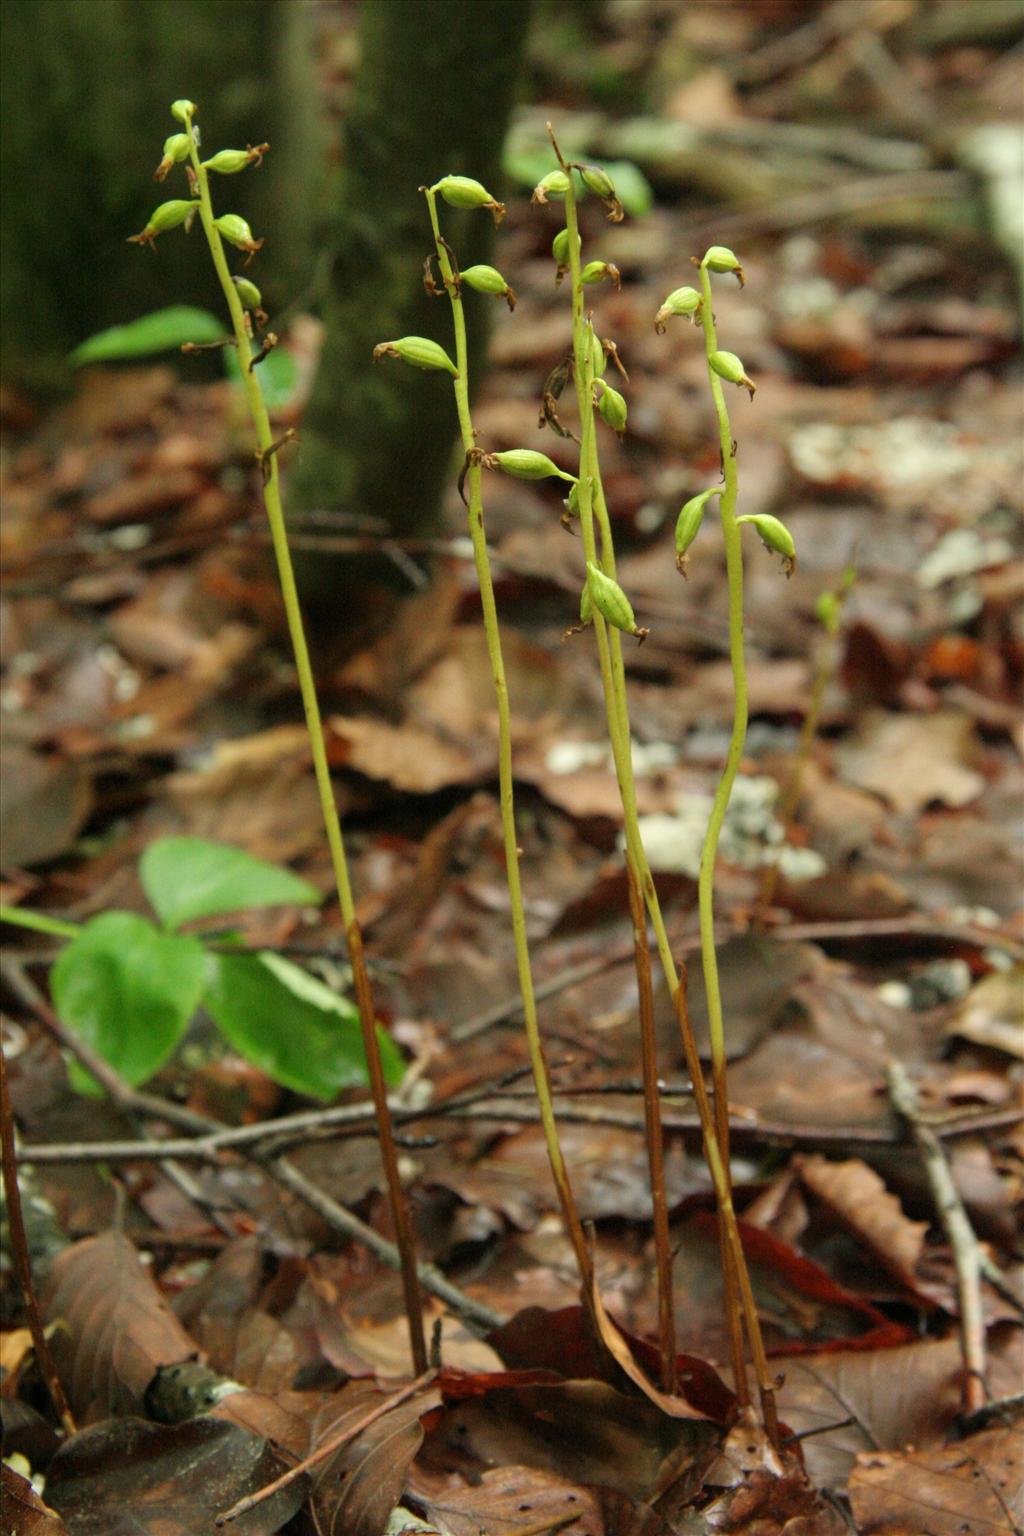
(417, 350)
(719, 258)
(176, 150)
(228, 162)
(611, 407)
(527, 464)
(682, 301)
(688, 525)
(464, 192)
(827, 610)
(554, 184)
(572, 503)
(597, 271)
(167, 216)
(248, 292)
(775, 536)
(483, 279)
(183, 110)
(611, 602)
(235, 230)
(596, 178)
(728, 366)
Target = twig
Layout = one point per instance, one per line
(278, 1168)
(327, 1448)
(22, 1264)
(958, 1229)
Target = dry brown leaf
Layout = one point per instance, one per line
(913, 760)
(404, 756)
(24, 1513)
(992, 1013)
(856, 1194)
(115, 1328)
(46, 802)
(618, 1348)
(508, 1498)
(975, 1486)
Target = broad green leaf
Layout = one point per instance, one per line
(129, 991)
(278, 375)
(187, 878)
(165, 330)
(290, 1025)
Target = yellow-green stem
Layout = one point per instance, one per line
(478, 535)
(332, 825)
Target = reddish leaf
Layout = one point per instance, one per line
(24, 1513)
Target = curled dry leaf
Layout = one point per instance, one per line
(116, 1330)
(858, 1197)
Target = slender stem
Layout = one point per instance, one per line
(332, 825)
(538, 1059)
(39, 922)
(22, 1263)
(653, 1134)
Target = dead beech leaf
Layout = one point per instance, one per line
(116, 1330)
(508, 1498)
(975, 1485)
(24, 1513)
(373, 1469)
(618, 1348)
(913, 760)
(46, 802)
(407, 757)
(992, 1013)
(858, 1197)
(127, 1477)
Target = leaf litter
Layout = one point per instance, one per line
(146, 694)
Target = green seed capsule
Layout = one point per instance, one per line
(183, 110)
(719, 258)
(464, 192)
(235, 230)
(682, 301)
(775, 536)
(554, 184)
(611, 602)
(612, 408)
(228, 162)
(169, 215)
(176, 150)
(248, 292)
(688, 523)
(419, 351)
(597, 271)
(527, 464)
(598, 356)
(596, 178)
(586, 605)
(560, 247)
(728, 366)
(484, 279)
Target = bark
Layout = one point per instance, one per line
(433, 94)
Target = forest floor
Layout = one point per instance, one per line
(148, 691)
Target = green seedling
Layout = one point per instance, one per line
(131, 985)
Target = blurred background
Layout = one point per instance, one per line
(864, 158)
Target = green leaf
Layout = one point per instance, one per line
(129, 991)
(290, 1025)
(187, 877)
(165, 330)
(278, 375)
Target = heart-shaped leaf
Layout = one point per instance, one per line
(187, 878)
(291, 1025)
(129, 991)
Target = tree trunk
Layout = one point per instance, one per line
(85, 87)
(434, 90)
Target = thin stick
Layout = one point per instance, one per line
(330, 1445)
(277, 1168)
(967, 1255)
(22, 1263)
(535, 1044)
(332, 825)
(653, 1135)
